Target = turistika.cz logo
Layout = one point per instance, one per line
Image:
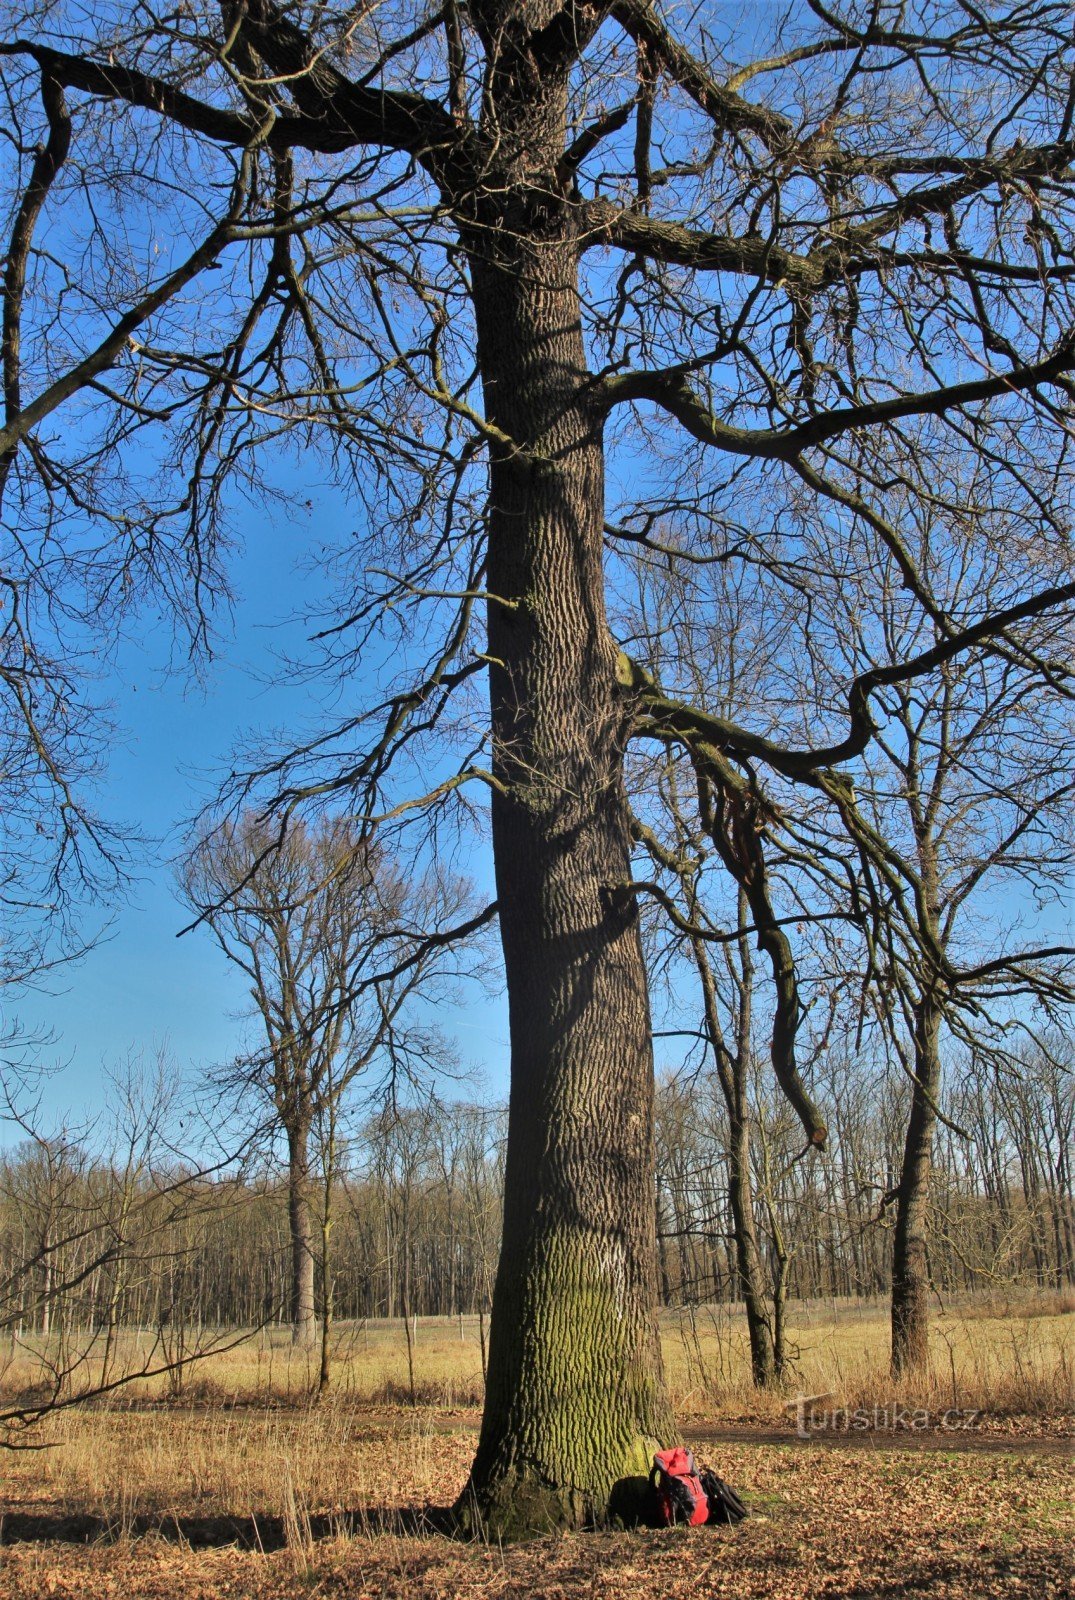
(817, 1413)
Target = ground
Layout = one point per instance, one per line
(948, 1491)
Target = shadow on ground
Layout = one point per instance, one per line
(260, 1531)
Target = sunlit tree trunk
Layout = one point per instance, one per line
(910, 1268)
(300, 1222)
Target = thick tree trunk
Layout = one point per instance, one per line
(910, 1271)
(575, 1399)
(303, 1320)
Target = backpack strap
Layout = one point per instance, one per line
(725, 1506)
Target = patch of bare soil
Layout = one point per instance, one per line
(960, 1438)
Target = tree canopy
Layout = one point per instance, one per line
(581, 303)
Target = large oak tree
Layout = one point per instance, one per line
(766, 268)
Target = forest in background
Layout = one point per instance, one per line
(93, 1241)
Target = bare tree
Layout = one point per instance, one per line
(725, 970)
(963, 796)
(334, 944)
(107, 1215)
(784, 267)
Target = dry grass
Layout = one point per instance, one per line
(845, 1524)
(246, 1437)
(246, 1443)
(284, 1462)
(1000, 1356)
(1000, 1362)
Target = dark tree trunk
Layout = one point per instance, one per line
(46, 1288)
(910, 1269)
(662, 1245)
(763, 1365)
(300, 1222)
(732, 1071)
(575, 1397)
(328, 1297)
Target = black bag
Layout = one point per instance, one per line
(725, 1505)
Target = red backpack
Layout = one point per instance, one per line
(677, 1488)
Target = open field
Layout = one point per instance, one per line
(1002, 1355)
(242, 1486)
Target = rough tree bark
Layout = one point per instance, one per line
(575, 1399)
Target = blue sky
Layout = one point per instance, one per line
(142, 987)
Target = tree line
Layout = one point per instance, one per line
(88, 1243)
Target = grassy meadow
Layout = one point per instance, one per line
(151, 1478)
